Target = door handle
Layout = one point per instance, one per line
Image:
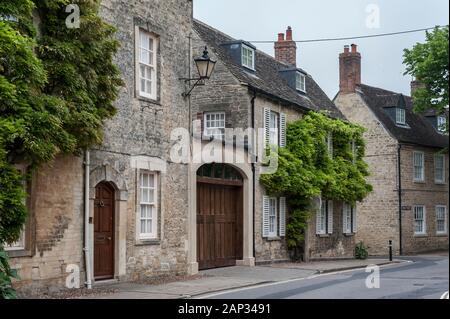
(109, 238)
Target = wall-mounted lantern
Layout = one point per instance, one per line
(205, 67)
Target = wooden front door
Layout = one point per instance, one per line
(219, 223)
(104, 232)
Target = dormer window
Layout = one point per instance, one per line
(441, 124)
(300, 82)
(400, 117)
(248, 57)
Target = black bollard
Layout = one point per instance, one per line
(390, 250)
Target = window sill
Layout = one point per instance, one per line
(19, 253)
(420, 235)
(420, 182)
(148, 100)
(440, 183)
(273, 239)
(324, 235)
(350, 235)
(442, 234)
(148, 242)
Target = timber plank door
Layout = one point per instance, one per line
(219, 222)
(104, 232)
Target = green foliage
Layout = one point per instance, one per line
(57, 87)
(306, 171)
(6, 274)
(429, 63)
(361, 251)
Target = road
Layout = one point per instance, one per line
(425, 277)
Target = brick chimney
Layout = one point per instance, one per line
(286, 49)
(416, 84)
(350, 69)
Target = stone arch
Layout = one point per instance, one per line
(106, 173)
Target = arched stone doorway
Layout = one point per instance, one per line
(220, 220)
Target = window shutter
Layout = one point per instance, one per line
(282, 216)
(266, 128)
(282, 130)
(354, 218)
(330, 217)
(265, 223)
(344, 219)
(318, 218)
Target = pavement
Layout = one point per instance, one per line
(216, 281)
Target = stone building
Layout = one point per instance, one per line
(250, 89)
(408, 158)
(136, 198)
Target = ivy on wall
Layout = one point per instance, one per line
(307, 171)
(57, 87)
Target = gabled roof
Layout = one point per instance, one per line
(420, 130)
(266, 78)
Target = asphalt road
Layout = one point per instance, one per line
(423, 278)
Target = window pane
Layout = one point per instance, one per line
(145, 56)
(145, 180)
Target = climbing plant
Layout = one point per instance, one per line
(307, 171)
(57, 87)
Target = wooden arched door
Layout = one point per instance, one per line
(104, 232)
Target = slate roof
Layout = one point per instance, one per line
(420, 131)
(266, 78)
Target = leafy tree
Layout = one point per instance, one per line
(306, 170)
(57, 87)
(429, 63)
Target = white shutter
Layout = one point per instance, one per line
(344, 219)
(282, 217)
(266, 128)
(330, 217)
(319, 219)
(355, 219)
(282, 130)
(266, 211)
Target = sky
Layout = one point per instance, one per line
(255, 20)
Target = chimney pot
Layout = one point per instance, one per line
(289, 34)
(346, 49)
(354, 48)
(280, 36)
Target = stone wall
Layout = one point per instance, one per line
(55, 227)
(427, 193)
(378, 213)
(335, 245)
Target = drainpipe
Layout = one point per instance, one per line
(87, 168)
(254, 172)
(400, 199)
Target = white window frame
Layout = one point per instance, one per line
(248, 60)
(300, 82)
(416, 167)
(439, 179)
(441, 124)
(150, 66)
(20, 244)
(216, 131)
(324, 218)
(153, 234)
(274, 128)
(423, 219)
(400, 116)
(439, 210)
(273, 217)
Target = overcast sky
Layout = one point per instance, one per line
(382, 57)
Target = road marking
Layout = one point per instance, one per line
(295, 280)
